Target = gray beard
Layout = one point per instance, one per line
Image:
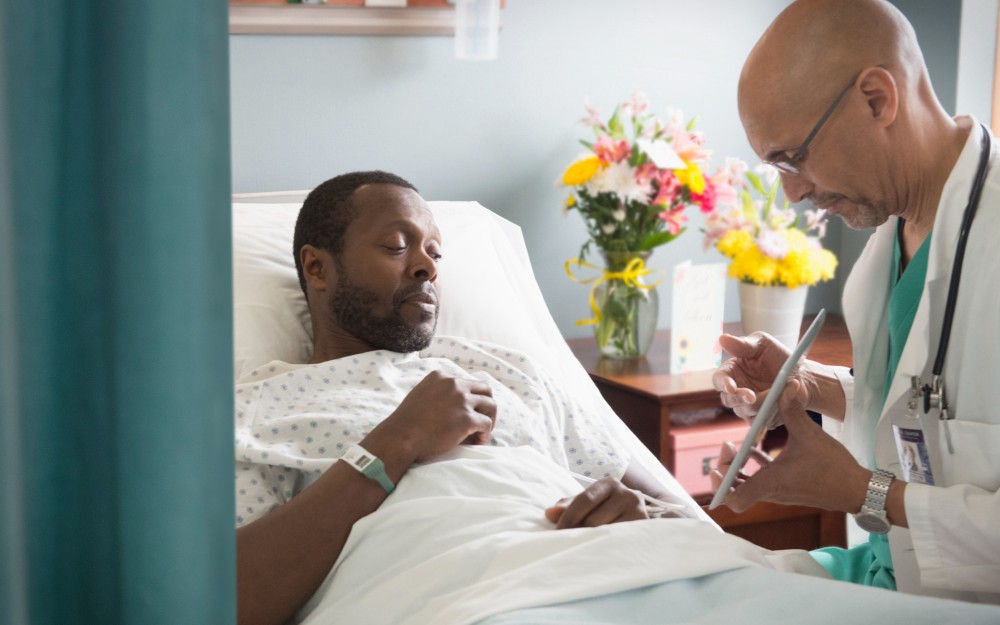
(351, 308)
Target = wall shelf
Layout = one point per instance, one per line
(313, 19)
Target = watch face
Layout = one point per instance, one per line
(872, 523)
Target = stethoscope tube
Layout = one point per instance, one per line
(933, 392)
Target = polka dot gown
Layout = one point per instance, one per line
(294, 421)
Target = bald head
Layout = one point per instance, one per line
(838, 93)
(814, 47)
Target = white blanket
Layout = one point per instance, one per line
(465, 537)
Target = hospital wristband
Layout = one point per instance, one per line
(368, 465)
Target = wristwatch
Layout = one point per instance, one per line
(872, 516)
(368, 465)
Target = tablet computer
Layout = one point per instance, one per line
(767, 409)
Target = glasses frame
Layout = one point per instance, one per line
(793, 164)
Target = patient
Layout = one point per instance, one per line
(366, 251)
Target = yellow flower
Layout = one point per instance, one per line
(570, 201)
(797, 269)
(691, 177)
(755, 267)
(797, 240)
(581, 171)
(735, 242)
(741, 232)
(826, 261)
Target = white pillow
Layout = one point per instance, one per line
(486, 286)
(484, 279)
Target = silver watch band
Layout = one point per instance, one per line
(878, 490)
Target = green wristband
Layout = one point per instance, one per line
(368, 465)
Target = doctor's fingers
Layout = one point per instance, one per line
(746, 492)
(739, 346)
(725, 377)
(745, 403)
(728, 451)
(726, 455)
(792, 406)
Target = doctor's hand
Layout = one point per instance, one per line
(605, 501)
(813, 469)
(744, 379)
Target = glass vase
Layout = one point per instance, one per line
(629, 312)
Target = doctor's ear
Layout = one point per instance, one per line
(881, 94)
(318, 267)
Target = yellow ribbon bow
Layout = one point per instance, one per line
(635, 269)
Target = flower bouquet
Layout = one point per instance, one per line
(633, 187)
(772, 250)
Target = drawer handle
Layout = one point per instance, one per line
(707, 464)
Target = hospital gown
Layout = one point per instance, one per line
(294, 421)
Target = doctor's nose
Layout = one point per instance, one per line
(797, 187)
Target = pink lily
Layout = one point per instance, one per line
(593, 117)
(611, 151)
(674, 219)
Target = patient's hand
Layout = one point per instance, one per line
(605, 501)
(440, 413)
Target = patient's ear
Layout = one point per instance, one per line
(318, 268)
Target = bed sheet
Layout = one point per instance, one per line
(465, 537)
(754, 596)
(463, 541)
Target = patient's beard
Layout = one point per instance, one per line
(351, 307)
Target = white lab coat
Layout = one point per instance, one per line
(952, 547)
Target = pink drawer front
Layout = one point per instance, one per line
(696, 451)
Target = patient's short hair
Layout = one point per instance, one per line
(329, 210)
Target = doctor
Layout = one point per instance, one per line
(836, 95)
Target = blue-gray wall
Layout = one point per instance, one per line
(501, 132)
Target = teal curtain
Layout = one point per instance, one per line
(116, 502)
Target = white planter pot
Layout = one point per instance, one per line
(776, 310)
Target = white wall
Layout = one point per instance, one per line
(307, 108)
(976, 55)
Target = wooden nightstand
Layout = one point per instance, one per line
(654, 404)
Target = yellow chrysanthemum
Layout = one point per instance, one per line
(772, 251)
(826, 263)
(691, 177)
(796, 269)
(581, 171)
(753, 266)
(797, 240)
(570, 201)
(735, 242)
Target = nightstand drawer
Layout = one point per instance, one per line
(695, 450)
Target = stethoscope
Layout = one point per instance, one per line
(933, 392)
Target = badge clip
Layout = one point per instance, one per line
(935, 397)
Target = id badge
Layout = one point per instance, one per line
(914, 459)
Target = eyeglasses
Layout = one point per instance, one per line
(793, 164)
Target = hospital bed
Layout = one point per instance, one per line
(488, 292)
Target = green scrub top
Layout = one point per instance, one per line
(871, 563)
